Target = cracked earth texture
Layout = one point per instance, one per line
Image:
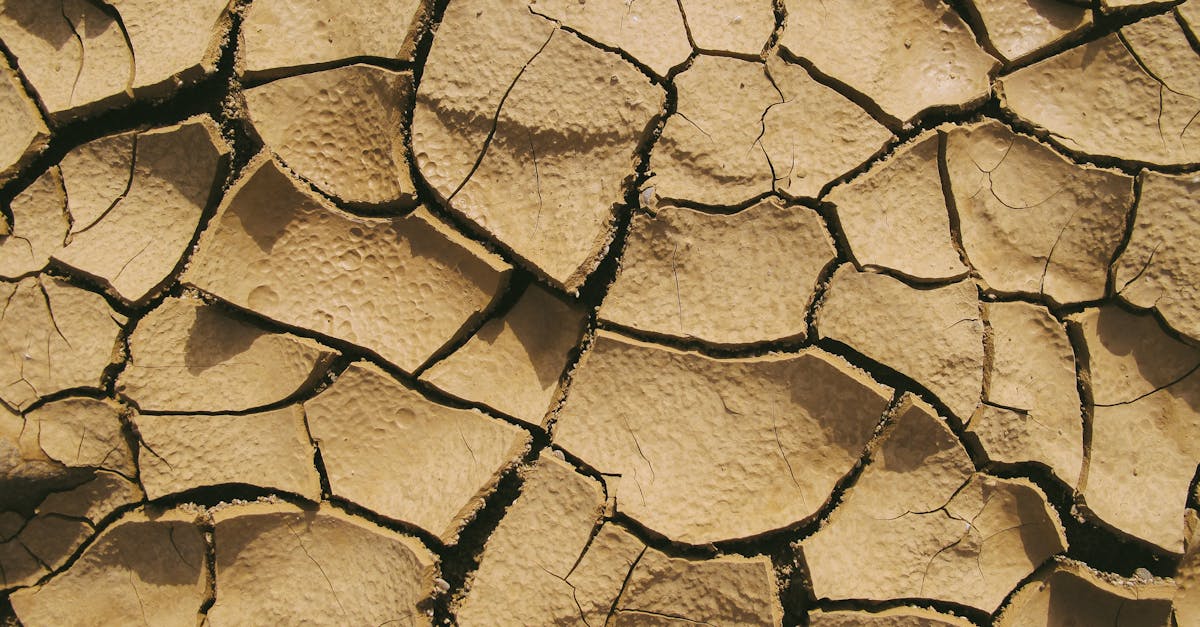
(600, 312)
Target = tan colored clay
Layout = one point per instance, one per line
(40, 224)
(1157, 269)
(1073, 594)
(401, 287)
(892, 617)
(904, 55)
(1187, 575)
(1031, 407)
(565, 119)
(681, 267)
(513, 364)
(350, 570)
(652, 32)
(551, 561)
(147, 567)
(139, 240)
(269, 449)
(54, 336)
(921, 524)
(83, 432)
(1033, 222)
(73, 54)
(96, 177)
(187, 355)
(739, 27)
(894, 216)
(944, 351)
(742, 129)
(173, 42)
(286, 34)
(729, 590)
(341, 130)
(1145, 428)
(21, 124)
(451, 456)
(1097, 99)
(525, 569)
(1022, 28)
(670, 424)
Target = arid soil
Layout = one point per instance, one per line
(600, 312)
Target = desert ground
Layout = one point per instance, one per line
(600, 312)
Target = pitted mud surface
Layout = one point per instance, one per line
(600, 312)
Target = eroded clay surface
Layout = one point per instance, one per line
(680, 267)
(514, 363)
(1033, 222)
(351, 571)
(652, 32)
(188, 355)
(742, 129)
(906, 56)
(54, 336)
(1031, 409)
(139, 239)
(1019, 29)
(147, 567)
(892, 617)
(945, 353)
(451, 456)
(1145, 428)
(39, 226)
(341, 130)
(552, 561)
(1156, 269)
(896, 208)
(670, 424)
(740, 27)
(920, 523)
(269, 449)
(1073, 594)
(1104, 97)
(285, 34)
(528, 132)
(21, 124)
(401, 287)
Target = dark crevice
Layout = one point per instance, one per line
(499, 308)
(863, 101)
(258, 78)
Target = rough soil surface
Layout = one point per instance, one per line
(598, 312)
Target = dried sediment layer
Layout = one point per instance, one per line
(553, 560)
(341, 130)
(1031, 406)
(21, 125)
(351, 572)
(921, 523)
(744, 128)
(514, 363)
(945, 352)
(529, 132)
(152, 210)
(671, 426)
(1033, 222)
(1130, 95)
(1145, 428)
(905, 56)
(269, 449)
(894, 216)
(54, 337)
(1073, 594)
(682, 267)
(187, 355)
(892, 617)
(285, 36)
(451, 459)
(401, 287)
(146, 567)
(1158, 268)
(1019, 29)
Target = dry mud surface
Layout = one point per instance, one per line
(600, 312)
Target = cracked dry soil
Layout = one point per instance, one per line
(600, 312)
